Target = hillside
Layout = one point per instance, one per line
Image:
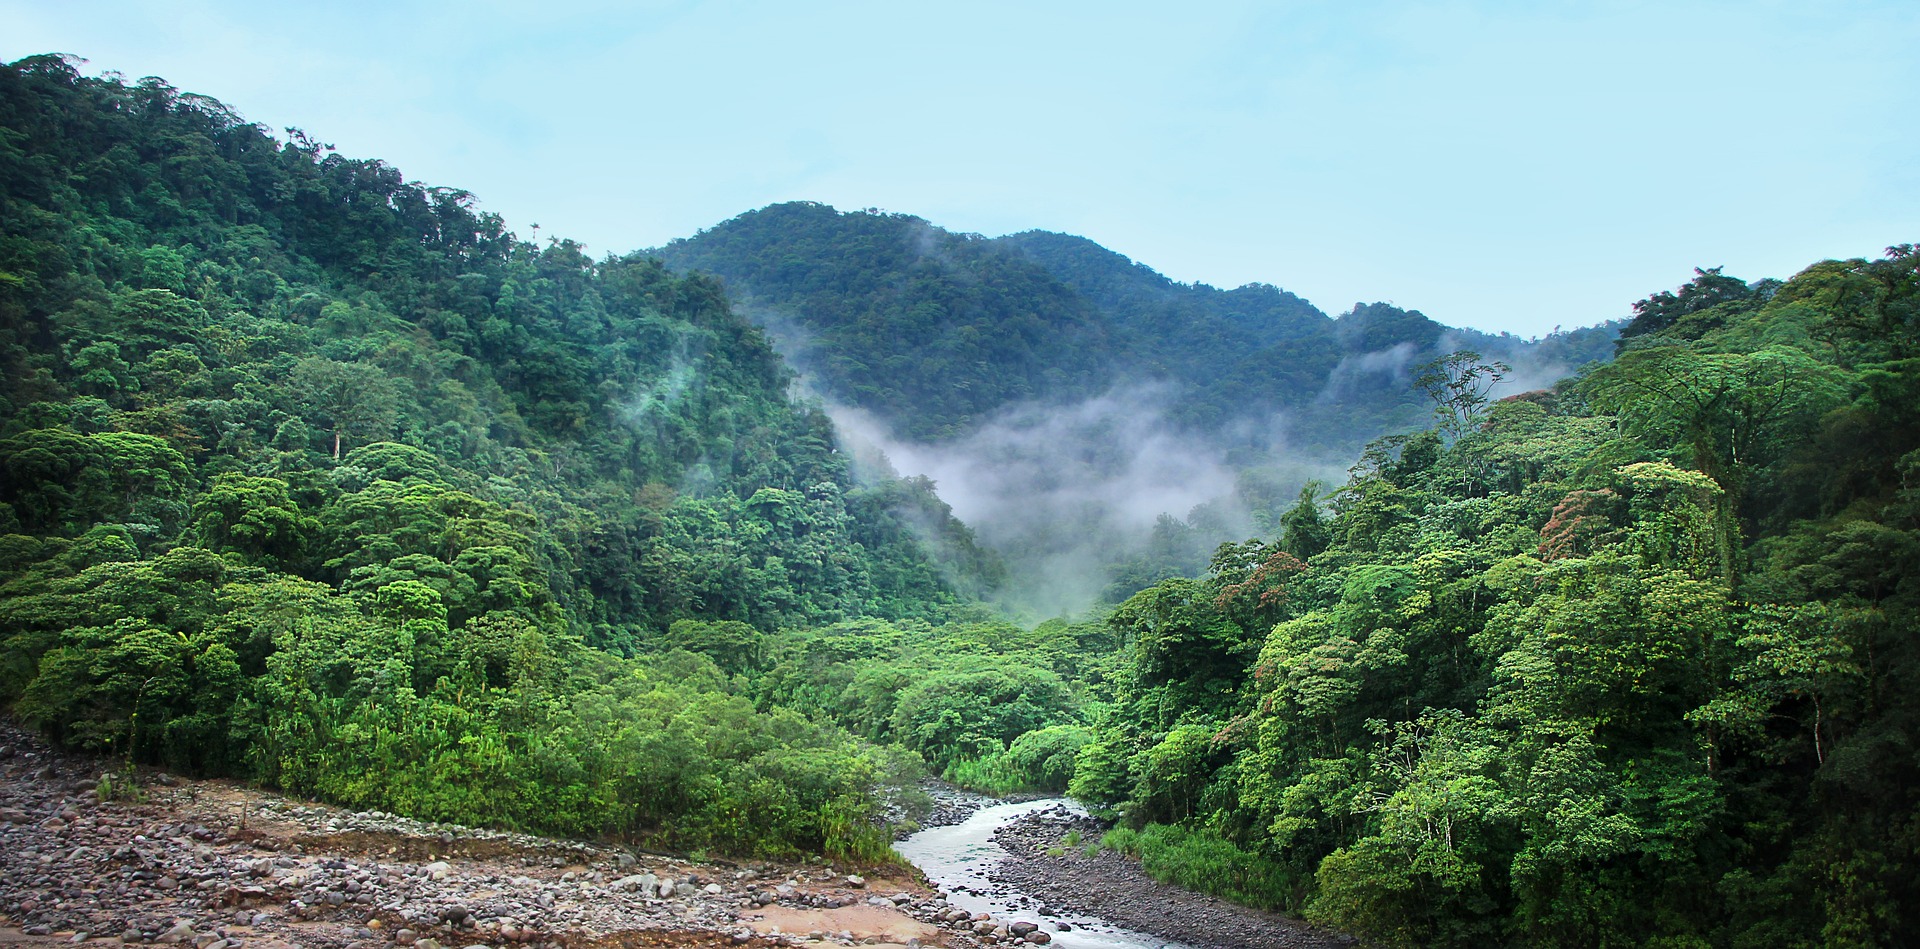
(313, 475)
(1626, 662)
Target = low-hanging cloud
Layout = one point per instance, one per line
(1060, 489)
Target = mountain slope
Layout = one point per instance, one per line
(318, 477)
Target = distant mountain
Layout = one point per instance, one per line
(1100, 425)
(935, 331)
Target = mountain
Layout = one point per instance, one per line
(935, 332)
(1098, 425)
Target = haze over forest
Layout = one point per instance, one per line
(1098, 425)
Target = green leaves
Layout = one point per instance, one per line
(61, 482)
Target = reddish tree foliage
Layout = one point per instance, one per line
(1579, 521)
(1260, 592)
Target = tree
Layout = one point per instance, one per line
(352, 398)
(1709, 288)
(1458, 384)
(1306, 532)
(255, 517)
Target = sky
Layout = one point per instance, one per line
(1509, 166)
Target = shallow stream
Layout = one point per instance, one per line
(957, 858)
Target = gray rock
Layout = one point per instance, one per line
(181, 931)
(644, 882)
(856, 881)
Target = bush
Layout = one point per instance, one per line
(1205, 862)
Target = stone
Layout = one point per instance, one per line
(1022, 928)
(856, 881)
(438, 870)
(1039, 938)
(714, 889)
(644, 882)
(181, 931)
(666, 889)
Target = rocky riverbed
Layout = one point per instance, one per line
(215, 865)
(1057, 879)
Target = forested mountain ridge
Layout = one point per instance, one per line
(315, 475)
(936, 331)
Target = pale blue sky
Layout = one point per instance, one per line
(1503, 165)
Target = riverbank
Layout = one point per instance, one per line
(216, 865)
(1061, 879)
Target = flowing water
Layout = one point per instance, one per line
(957, 858)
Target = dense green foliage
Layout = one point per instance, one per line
(1630, 662)
(314, 475)
(972, 698)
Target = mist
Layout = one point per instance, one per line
(1087, 499)
(1064, 491)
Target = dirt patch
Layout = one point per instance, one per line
(862, 922)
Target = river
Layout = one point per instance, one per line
(957, 858)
